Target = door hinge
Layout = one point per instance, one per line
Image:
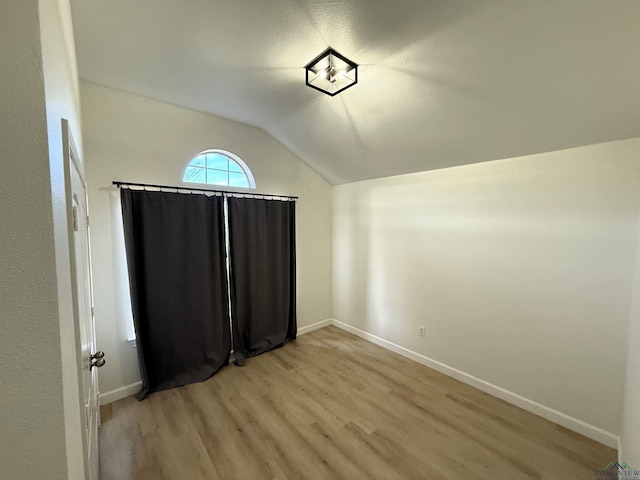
(74, 212)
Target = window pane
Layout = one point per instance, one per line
(234, 167)
(218, 161)
(199, 161)
(217, 177)
(215, 167)
(195, 175)
(238, 180)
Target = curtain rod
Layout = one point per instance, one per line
(223, 192)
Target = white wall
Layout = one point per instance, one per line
(39, 426)
(131, 138)
(519, 269)
(630, 438)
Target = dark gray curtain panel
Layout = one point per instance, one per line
(176, 258)
(263, 274)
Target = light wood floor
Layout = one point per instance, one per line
(331, 405)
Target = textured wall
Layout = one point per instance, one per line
(519, 269)
(32, 436)
(131, 138)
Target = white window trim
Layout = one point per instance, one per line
(245, 168)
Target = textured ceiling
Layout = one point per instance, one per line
(441, 83)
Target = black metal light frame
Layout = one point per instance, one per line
(330, 51)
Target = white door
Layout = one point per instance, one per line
(88, 358)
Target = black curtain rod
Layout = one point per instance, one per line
(190, 189)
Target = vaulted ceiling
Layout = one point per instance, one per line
(441, 82)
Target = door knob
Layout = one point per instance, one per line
(96, 360)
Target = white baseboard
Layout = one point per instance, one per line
(120, 393)
(128, 390)
(578, 426)
(315, 326)
(573, 424)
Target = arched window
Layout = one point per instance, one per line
(219, 167)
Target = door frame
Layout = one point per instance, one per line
(71, 160)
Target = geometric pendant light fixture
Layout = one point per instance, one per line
(331, 73)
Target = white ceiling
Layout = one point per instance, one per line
(441, 82)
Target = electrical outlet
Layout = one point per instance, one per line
(421, 330)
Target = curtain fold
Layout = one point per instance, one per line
(263, 274)
(176, 260)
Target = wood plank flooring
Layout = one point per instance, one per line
(333, 406)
